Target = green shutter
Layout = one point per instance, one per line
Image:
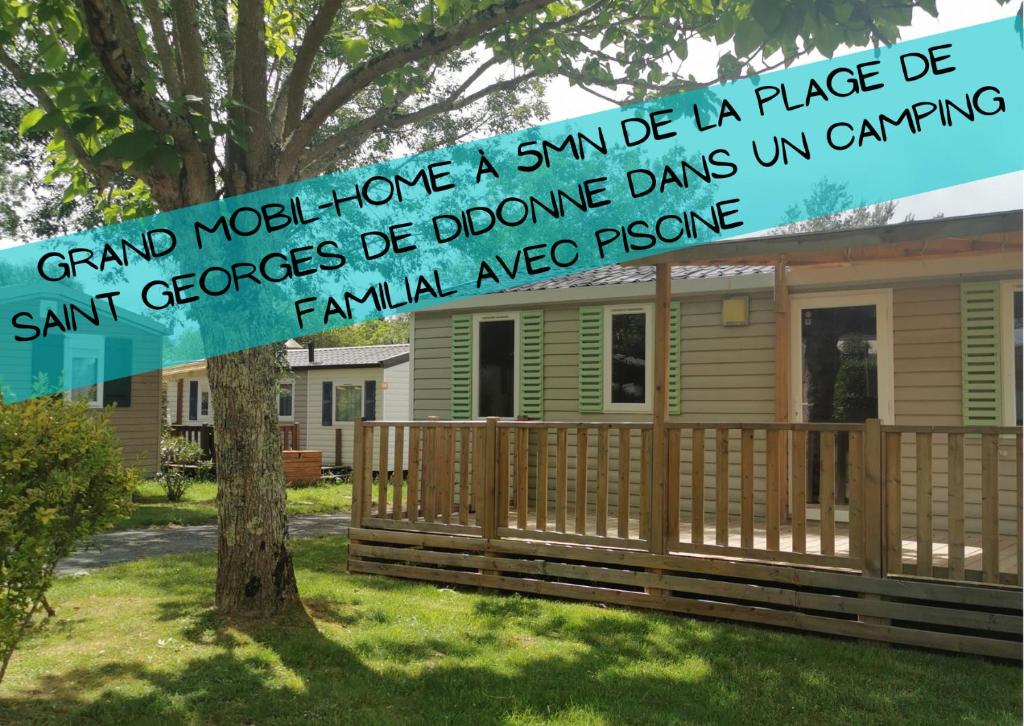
(462, 366)
(591, 363)
(979, 346)
(675, 402)
(531, 364)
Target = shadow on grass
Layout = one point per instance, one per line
(522, 659)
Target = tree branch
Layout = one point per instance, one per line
(355, 134)
(431, 44)
(101, 173)
(163, 48)
(112, 35)
(250, 90)
(288, 105)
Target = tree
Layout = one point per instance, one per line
(816, 213)
(372, 332)
(196, 99)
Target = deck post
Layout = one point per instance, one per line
(358, 473)
(872, 508)
(782, 373)
(659, 443)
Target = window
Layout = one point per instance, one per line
(193, 400)
(84, 363)
(348, 402)
(285, 393)
(370, 400)
(496, 372)
(1013, 338)
(628, 350)
(204, 403)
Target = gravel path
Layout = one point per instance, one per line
(133, 544)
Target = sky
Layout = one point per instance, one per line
(987, 195)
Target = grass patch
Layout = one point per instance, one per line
(138, 643)
(199, 505)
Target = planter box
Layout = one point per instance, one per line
(301, 467)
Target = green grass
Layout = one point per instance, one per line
(138, 643)
(199, 506)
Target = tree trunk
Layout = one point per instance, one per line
(255, 577)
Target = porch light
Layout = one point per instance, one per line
(736, 310)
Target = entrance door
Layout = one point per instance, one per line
(496, 370)
(843, 361)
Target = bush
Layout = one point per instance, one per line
(181, 461)
(61, 480)
(175, 484)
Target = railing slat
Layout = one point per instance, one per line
(522, 476)
(450, 459)
(747, 488)
(503, 474)
(893, 501)
(799, 491)
(623, 507)
(366, 488)
(990, 507)
(855, 492)
(561, 485)
(582, 455)
(382, 472)
(396, 479)
(772, 489)
(722, 487)
(924, 503)
(826, 492)
(465, 475)
(429, 495)
(602, 483)
(671, 488)
(697, 488)
(955, 463)
(542, 480)
(413, 483)
(1019, 452)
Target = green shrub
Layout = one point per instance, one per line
(181, 461)
(175, 484)
(61, 480)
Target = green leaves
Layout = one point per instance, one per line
(355, 49)
(30, 119)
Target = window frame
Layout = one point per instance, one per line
(81, 345)
(609, 312)
(286, 382)
(478, 319)
(334, 404)
(881, 298)
(1007, 289)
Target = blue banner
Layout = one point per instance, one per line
(405, 235)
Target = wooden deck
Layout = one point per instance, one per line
(452, 515)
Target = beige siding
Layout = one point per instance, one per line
(432, 365)
(926, 355)
(138, 425)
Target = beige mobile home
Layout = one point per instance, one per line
(319, 397)
(132, 401)
(845, 401)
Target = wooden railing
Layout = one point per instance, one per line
(202, 435)
(953, 502)
(832, 495)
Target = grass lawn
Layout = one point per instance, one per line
(199, 505)
(138, 643)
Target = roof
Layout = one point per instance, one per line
(967, 234)
(618, 275)
(364, 356)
